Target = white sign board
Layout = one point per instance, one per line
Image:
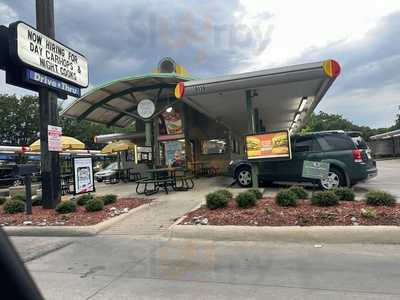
(83, 175)
(54, 134)
(39, 51)
(146, 108)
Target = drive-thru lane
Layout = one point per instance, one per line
(122, 267)
(388, 178)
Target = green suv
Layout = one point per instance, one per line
(349, 157)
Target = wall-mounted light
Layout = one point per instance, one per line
(169, 109)
(302, 104)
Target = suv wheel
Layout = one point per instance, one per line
(243, 177)
(17, 182)
(334, 179)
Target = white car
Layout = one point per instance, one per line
(110, 170)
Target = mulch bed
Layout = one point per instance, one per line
(49, 217)
(267, 213)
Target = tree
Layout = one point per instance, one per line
(397, 122)
(324, 121)
(19, 123)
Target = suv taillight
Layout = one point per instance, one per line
(357, 155)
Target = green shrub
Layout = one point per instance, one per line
(13, 206)
(20, 197)
(108, 199)
(94, 204)
(380, 198)
(369, 213)
(227, 194)
(256, 193)
(2, 200)
(216, 200)
(286, 197)
(325, 198)
(246, 199)
(66, 207)
(344, 193)
(82, 200)
(299, 191)
(37, 200)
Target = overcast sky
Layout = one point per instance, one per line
(125, 37)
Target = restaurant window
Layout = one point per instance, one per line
(214, 146)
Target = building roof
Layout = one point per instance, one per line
(386, 135)
(280, 92)
(115, 102)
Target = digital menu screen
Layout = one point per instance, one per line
(268, 145)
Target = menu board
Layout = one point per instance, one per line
(268, 145)
(173, 122)
(83, 175)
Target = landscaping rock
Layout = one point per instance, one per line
(204, 221)
(268, 213)
(125, 210)
(27, 223)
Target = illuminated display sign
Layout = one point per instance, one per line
(268, 145)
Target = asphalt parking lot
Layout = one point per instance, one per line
(388, 178)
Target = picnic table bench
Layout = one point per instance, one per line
(164, 178)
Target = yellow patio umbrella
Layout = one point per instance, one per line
(119, 146)
(67, 143)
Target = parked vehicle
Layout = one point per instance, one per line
(349, 157)
(108, 171)
(8, 176)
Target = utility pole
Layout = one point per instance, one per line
(50, 167)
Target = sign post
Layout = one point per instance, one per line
(33, 60)
(50, 164)
(252, 129)
(146, 109)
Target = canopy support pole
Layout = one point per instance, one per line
(156, 144)
(256, 120)
(147, 130)
(252, 129)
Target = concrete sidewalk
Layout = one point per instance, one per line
(154, 219)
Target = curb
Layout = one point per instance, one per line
(315, 234)
(90, 230)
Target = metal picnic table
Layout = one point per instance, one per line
(165, 178)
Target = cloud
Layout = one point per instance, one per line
(124, 37)
(370, 80)
(128, 37)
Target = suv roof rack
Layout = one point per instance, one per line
(350, 132)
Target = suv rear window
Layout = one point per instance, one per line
(336, 142)
(305, 144)
(360, 143)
